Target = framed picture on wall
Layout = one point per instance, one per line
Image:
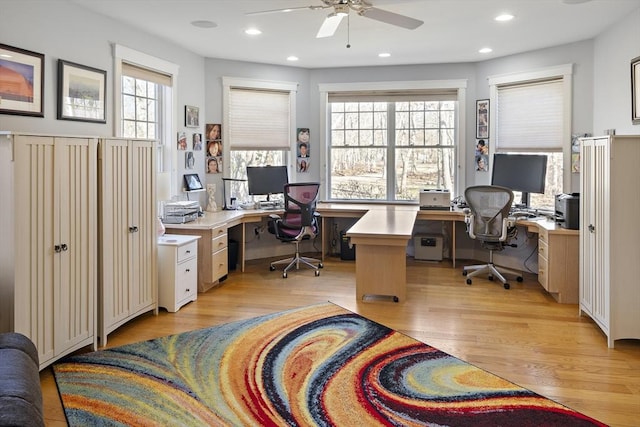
(191, 116)
(82, 93)
(635, 90)
(21, 82)
(482, 118)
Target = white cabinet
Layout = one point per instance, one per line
(128, 237)
(49, 223)
(213, 258)
(610, 234)
(177, 271)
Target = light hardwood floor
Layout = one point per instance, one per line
(521, 334)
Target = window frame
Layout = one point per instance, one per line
(563, 72)
(325, 90)
(168, 157)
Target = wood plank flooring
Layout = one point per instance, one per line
(520, 334)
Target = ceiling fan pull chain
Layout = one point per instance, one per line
(348, 31)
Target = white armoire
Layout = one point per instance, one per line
(48, 258)
(128, 236)
(610, 234)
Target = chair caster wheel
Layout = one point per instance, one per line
(464, 272)
(284, 275)
(317, 273)
(321, 265)
(468, 281)
(396, 299)
(491, 278)
(272, 268)
(507, 286)
(519, 279)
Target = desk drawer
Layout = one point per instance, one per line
(186, 280)
(218, 243)
(187, 251)
(219, 264)
(218, 231)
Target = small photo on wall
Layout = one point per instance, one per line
(302, 142)
(189, 160)
(182, 141)
(197, 141)
(214, 148)
(213, 131)
(214, 164)
(482, 163)
(303, 164)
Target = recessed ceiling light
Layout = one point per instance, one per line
(252, 31)
(204, 24)
(292, 58)
(384, 55)
(486, 50)
(504, 17)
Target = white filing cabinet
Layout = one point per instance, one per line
(177, 271)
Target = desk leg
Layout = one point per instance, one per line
(322, 238)
(242, 252)
(453, 243)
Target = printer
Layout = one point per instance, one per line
(568, 210)
(432, 199)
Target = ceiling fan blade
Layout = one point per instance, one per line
(285, 10)
(391, 18)
(330, 25)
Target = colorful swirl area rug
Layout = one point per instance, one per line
(315, 366)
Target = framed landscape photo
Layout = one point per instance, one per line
(482, 119)
(635, 90)
(191, 116)
(21, 82)
(82, 93)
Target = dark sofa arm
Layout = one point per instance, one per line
(20, 392)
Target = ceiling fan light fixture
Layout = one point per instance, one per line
(341, 10)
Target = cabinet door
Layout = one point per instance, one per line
(143, 214)
(76, 169)
(600, 221)
(55, 242)
(115, 234)
(35, 240)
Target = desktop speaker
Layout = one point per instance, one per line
(427, 247)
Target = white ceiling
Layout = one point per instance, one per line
(453, 30)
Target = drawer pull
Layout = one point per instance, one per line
(188, 252)
(187, 270)
(188, 290)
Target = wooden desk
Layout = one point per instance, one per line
(381, 236)
(389, 227)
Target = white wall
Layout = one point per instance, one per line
(613, 51)
(62, 30)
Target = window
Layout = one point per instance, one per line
(391, 150)
(533, 115)
(145, 105)
(259, 126)
(387, 141)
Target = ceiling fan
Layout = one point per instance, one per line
(341, 8)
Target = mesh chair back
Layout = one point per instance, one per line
(300, 201)
(490, 204)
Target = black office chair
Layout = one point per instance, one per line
(298, 223)
(488, 220)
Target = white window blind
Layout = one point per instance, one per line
(146, 74)
(530, 116)
(259, 119)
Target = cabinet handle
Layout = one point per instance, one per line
(57, 248)
(591, 228)
(64, 247)
(187, 270)
(188, 290)
(188, 252)
(133, 229)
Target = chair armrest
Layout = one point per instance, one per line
(274, 217)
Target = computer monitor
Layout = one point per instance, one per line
(520, 172)
(266, 180)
